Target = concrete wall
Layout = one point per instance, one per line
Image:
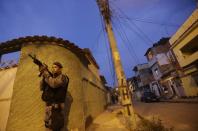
(94, 102)
(94, 94)
(183, 61)
(187, 24)
(184, 36)
(7, 77)
(27, 108)
(162, 59)
(160, 49)
(190, 87)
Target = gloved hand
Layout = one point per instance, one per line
(42, 68)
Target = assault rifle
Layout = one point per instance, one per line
(39, 63)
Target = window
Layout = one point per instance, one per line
(156, 72)
(190, 48)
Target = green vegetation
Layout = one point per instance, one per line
(154, 124)
(143, 124)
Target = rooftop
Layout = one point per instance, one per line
(162, 41)
(16, 44)
(193, 19)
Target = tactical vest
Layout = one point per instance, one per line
(54, 95)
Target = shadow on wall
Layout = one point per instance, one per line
(68, 102)
(88, 121)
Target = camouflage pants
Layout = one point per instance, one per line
(54, 117)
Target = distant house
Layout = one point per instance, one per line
(141, 81)
(159, 61)
(133, 83)
(184, 44)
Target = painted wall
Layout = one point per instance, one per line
(7, 77)
(190, 87)
(183, 61)
(27, 108)
(187, 32)
(187, 24)
(162, 59)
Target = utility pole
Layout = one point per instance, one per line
(0, 57)
(121, 79)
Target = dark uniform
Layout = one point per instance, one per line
(54, 93)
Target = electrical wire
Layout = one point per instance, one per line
(95, 46)
(133, 23)
(111, 68)
(125, 41)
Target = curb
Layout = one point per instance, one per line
(180, 101)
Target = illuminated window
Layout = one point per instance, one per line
(156, 72)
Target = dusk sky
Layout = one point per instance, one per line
(143, 22)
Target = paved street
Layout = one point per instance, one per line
(182, 116)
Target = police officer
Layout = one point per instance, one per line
(54, 86)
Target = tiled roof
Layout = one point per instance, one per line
(16, 44)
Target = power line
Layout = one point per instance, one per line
(124, 16)
(112, 72)
(95, 46)
(140, 30)
(124, 38)
(125, 41)
(152, 22)
(142, 35)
